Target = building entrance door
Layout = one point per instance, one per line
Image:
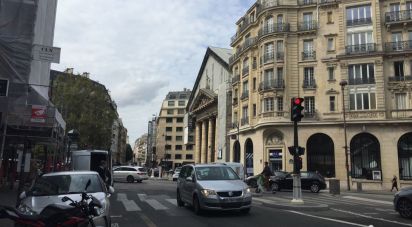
(275, 159)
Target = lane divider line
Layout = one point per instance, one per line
(370, 217)
(328, 219)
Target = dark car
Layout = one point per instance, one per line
(403, 202)
(310, 181)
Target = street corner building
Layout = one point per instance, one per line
(306, 48)
(208, 115)
(27, 116)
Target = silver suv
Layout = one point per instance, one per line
(212, 187)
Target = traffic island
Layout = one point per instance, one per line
(286, 204)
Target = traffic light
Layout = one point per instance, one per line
(296, 109)
(299, 163)
(294, 151)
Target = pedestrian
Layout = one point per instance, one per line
(104, 172)
(266, 173)
(394, 183)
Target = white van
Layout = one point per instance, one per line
(237, 167)
(89, 160)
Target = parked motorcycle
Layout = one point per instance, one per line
(76, 214)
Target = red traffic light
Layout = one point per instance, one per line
(298, 101)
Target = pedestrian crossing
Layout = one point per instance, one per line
(156, 202)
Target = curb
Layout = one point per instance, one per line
(303, 207)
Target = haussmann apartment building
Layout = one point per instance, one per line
(336, 54)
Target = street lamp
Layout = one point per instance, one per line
(343, 83)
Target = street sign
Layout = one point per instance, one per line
(38, 114)
(46, 53)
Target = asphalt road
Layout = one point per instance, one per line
(153, 203)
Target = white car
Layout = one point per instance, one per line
(130, 174)
(176, 173)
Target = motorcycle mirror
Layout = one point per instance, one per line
(88, 184)
(22, 195)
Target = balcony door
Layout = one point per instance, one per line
(360, 41)
(395, 9)
(268, 78)
(397, 41)
(279, 22)
(269, 24)
(308, 48)
(400, 101)
(398, 69)
(307, 21)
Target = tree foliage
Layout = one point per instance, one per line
(85, 106)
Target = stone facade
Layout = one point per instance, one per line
(289, 48)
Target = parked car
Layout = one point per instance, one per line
(52, 187)
(212, 187)
(403, 202)
(130, 174)
(309, 181)
(176, 173)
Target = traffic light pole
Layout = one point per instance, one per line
(297, 189)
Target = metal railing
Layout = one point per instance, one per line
(398, 16)
(245, 71)
(245, 95)
(309, 55)
(360, 21)
(244, 121)
(271, 84)
(364, 80)
(309, 114)
(308, 25)
(361, 48)
(324, 2)
(235, 124)
(401, 113)
(269, 114)
(398, 46)
(274, 28)
(268, 57)
(280, 56)
(309, 83)
(306, 2)
(248, 42)
(235, 79)
(400, 78)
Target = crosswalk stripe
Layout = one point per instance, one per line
(142, 197)
(121, 196)
(155, 204)
(130, 205)
(172, 201)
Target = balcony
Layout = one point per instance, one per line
(268, 4)
(272, 114)
(245, 95)
(309, 84)
(235, 79)
(244, 121)
(405, 113)
(359, 22)
(272, 85)
(248, 43)
(306, 2)
(398, 16)
(308, 55)
(361, 48)
(268, 57)
(398, 46)
(359, 81)
(308, 26)
(399, 78)
(245, 71)
(274, 28)
(280, 56)
(328, 2)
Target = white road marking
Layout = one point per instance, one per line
(385, 210)
(142, 197)
(172, 201)
(121, 196)
(115, 225)
(130, 205)
(366, 216)
(369, 200)
(371, 213)
(116, 216)
(155, 204)
(329, 219)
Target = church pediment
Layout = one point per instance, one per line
(204, 99)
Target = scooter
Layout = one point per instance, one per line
(76, 214)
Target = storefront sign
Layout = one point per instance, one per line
(46, 53)
(38, 114)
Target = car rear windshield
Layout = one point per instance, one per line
(215, 173)
(66, 184)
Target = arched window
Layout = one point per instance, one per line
(236, 151)
(405, 156)
(249, 157)
(321, 155)
(365, 155)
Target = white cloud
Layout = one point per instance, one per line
(141, 49)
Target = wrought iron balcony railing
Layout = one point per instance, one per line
(306, 2)
(235, 124)
(309, 55)
(245, 95)
(365, 80)
(326, 2)
(274, 28)
(398, 16)
(235, 79)
(400, 78)
(244, 121)
(361, 48)
(308, 25)
(309, 114)
(268, 57)
(272, 84)
(359, 21)
(245, 70)
(309, 83)
(248, 42)
(398, 46)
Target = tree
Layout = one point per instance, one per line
(86, 106)
(129, 153)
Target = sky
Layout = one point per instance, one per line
(142, 49)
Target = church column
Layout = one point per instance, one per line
(204, 143)
(198, 140)
(210, 139)
(216, 139)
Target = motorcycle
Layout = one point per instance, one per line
(76, 214)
